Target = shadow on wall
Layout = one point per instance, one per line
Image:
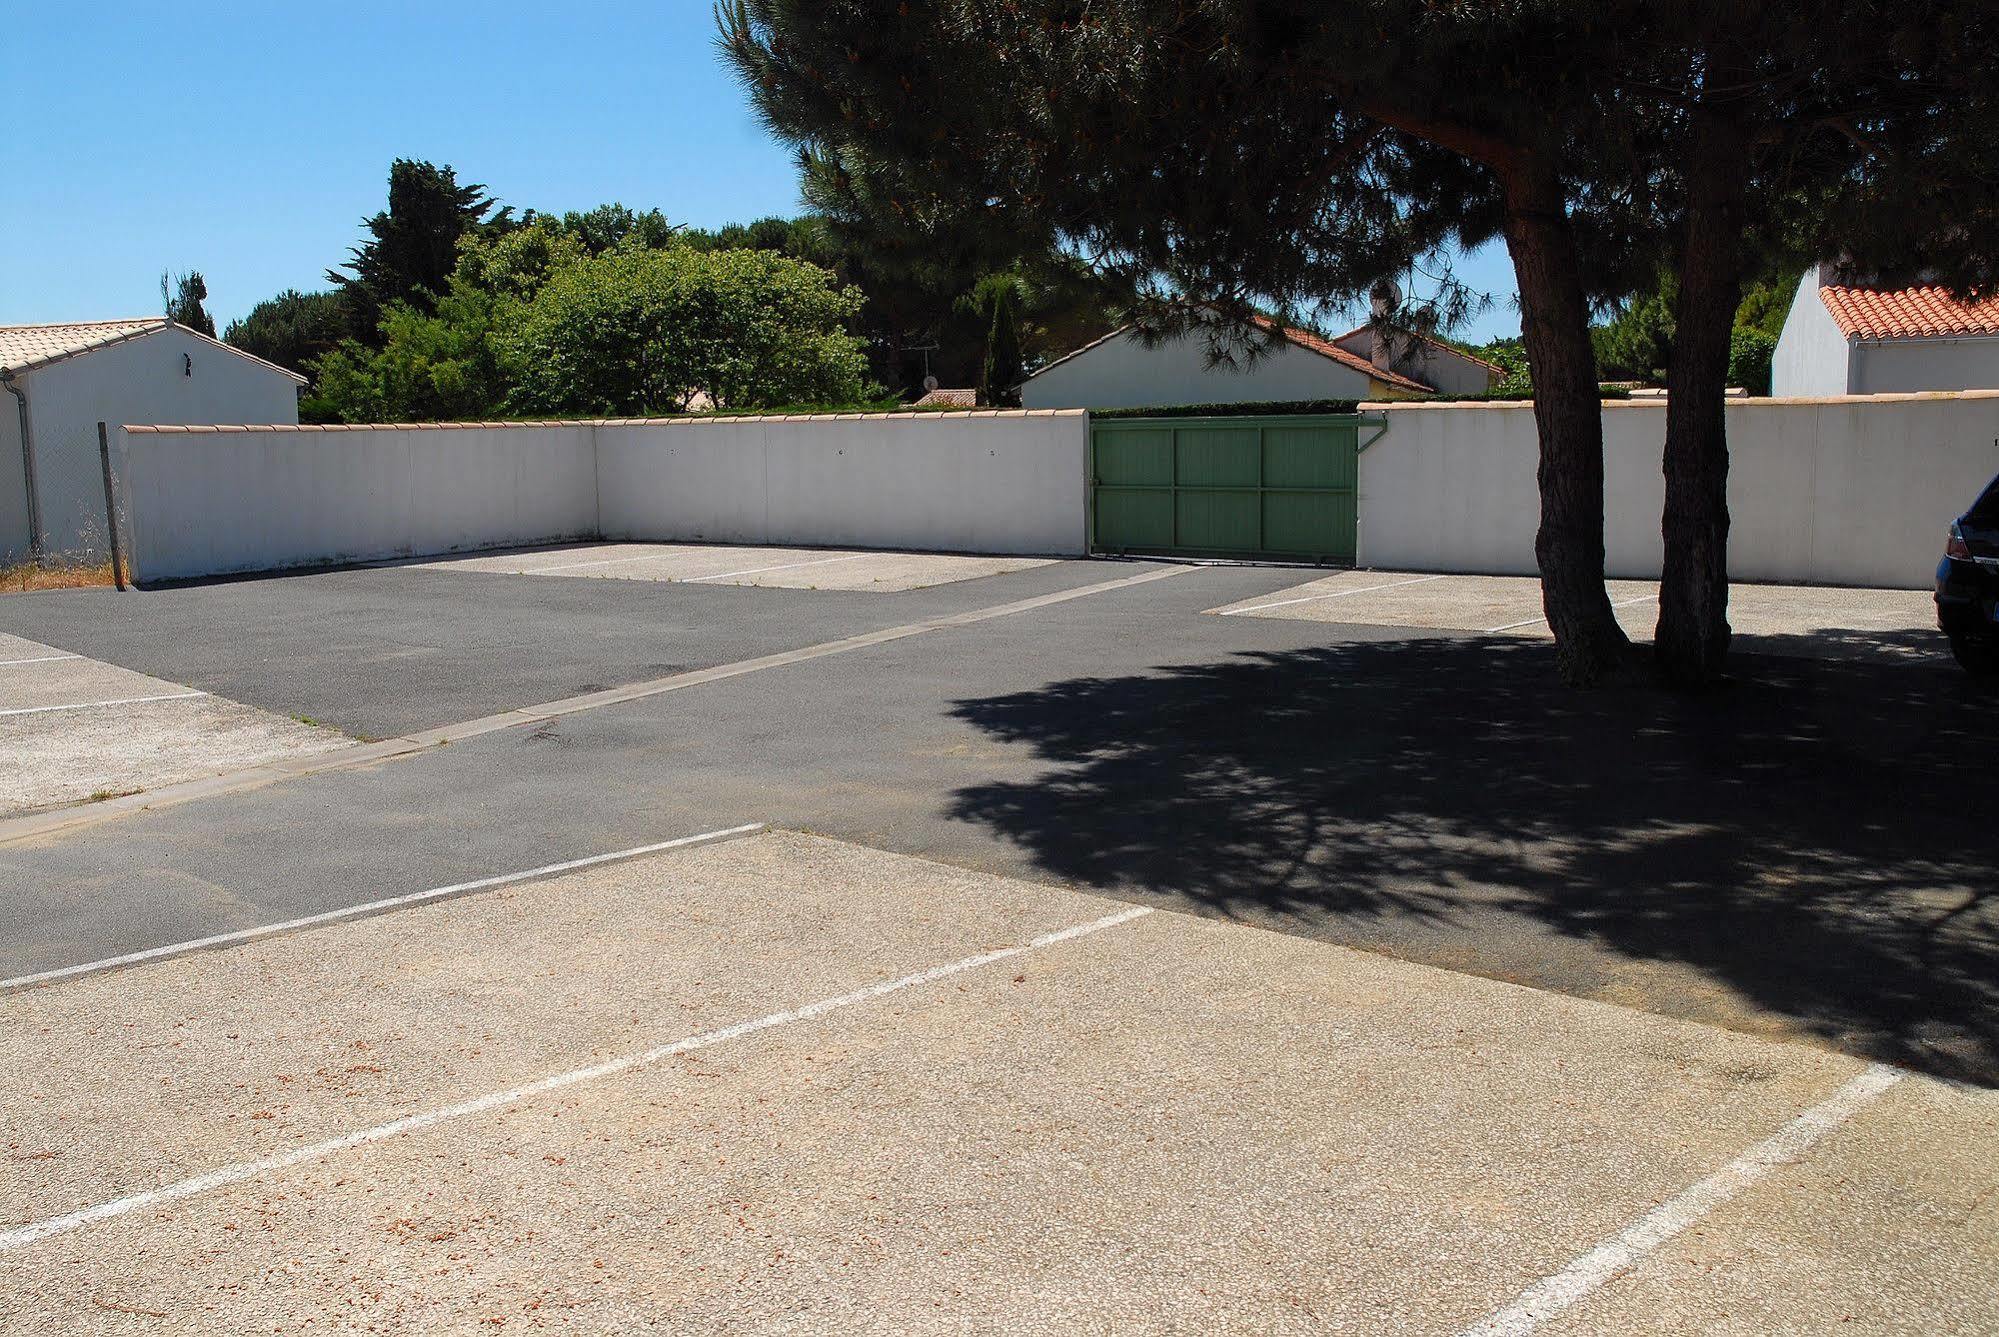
(1818, 837)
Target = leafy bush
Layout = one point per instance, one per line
(1508, 393)
(517, 263)
(1750, 353)
(430, 368)
(636, 331)
(1766, 304)
(1638, 344)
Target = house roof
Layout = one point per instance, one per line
(964, 399)
(1908, 313)
(1298, 338)
(24, 347)
(1326, 348)
(27, 347)
(1437, 344)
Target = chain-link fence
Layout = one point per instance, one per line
(72, 512)
(69, 483)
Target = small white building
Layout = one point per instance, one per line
(1120, 371)
(62, 380)
(1843, 339)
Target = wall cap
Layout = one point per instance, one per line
(689, 420)
(1756, 401)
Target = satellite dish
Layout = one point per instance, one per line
(929, 383)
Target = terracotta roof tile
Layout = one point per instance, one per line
(1438, 344)
(1326, 348)
(25, 346)
(1908, 313)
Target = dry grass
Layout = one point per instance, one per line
(23, 577)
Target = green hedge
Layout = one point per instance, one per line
(1261, 408)
(1499, 397)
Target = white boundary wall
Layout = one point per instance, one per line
(1853, 490)
(963, 482)
(1844, 491)
(202, 501)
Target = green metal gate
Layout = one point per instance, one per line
(1274, 487)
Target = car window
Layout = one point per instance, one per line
(1985, 511)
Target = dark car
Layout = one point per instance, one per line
(1968, 586)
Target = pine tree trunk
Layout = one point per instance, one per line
(1692, 638)
(1568, 414)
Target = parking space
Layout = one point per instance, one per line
(1009, 1042)
(379, 652)
(786, 1083)
(1787, 619)
(74, 728)
(766, 567)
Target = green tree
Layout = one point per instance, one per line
(919, 256)
(1766, 303)
(438, 366)
(1235, 152)
(1750, 353)
(914, 256)
(1779, 133)
(515, 264)
(182, 296)
(636, 331)
(1637, 344)
(1225, 157)
(294, 329)
(609, 225)
(412, 245)
(1000, 373)
(795, 237)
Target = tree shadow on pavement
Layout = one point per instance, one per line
(1900, 646)
(1818, 838)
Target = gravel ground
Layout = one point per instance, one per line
(64, 746)
(1167, 1125)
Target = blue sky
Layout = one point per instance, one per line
(249, 140)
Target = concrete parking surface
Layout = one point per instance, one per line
(1662, 1022)
(778, 568)
(1781, 619)
(1155, 1121)
(72, 728)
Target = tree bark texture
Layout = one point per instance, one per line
(1691, 643)
(1568, 414)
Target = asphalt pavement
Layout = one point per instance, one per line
(1804, 853)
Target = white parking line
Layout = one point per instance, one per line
(32, 825)
(365, 908)
(247, 1170)
(1552, 1295)
(1532, 621)
(92, 705)
(38, 659)
(787, 566)
(1337, 594)
(691, 580)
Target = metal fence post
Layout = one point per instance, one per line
(110, 504)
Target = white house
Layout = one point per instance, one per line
(1843, 339)
(1119, 371)
(62, 380)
